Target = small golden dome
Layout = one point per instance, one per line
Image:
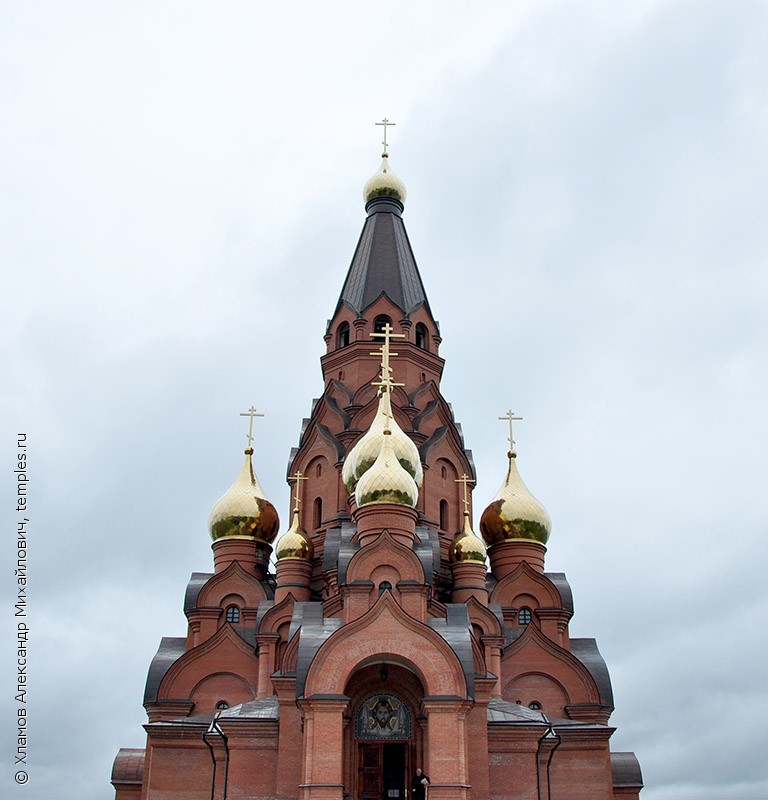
(362, 456)
(386, 481)
(515, 513)
(384, 183)
(467, 546)
(242, 510)
(295, 543)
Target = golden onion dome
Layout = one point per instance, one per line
(386, 481)
(384, 183)
(514, 513)
(467, 546)
(295, 543)
(243, 510)
(362, 456)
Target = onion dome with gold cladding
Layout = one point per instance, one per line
(243, 511)
(515, 513)
(386, 481)
(362, 456)
(384, 183)
(295, 543)
(467, 546)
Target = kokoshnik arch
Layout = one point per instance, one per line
(381, 642)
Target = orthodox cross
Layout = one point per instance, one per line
(298, 477)
(251, 412)
(385, 122)
(510, 416)
(387, 334)
(466, 480)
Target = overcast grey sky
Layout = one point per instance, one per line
(180, 196)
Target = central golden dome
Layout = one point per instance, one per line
(386, 481)
(362, 456)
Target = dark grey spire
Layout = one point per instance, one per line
(383, 262)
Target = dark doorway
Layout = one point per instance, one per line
(381, 773)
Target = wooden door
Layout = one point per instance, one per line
(370, 760)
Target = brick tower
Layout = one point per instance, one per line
(380, 643)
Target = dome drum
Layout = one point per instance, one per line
(398, 520)
(506, 556)
(250, 553)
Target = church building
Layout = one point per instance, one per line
(378, 633)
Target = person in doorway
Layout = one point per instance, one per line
(420, 783)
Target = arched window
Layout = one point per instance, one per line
(535, 705)
(421, 336)
(233, 614)
(222, 704)
(319, 470)
(380, 323)
(317, 513)
(444, 515)
(524, 616)
(384, 586)
(343, 334)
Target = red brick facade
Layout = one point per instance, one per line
(474, 675)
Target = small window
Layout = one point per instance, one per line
(535, 705)
(524, 616)
(380, 323)
(233, 614)
(443, 473)
(384, 586)
(444, 515)
(317, 513)
(343, 334)
(319, 470)
(421, 336)
(222, 704)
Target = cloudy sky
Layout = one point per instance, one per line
(180, 196)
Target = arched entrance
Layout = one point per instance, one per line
(384, 734)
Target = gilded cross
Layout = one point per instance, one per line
(251, 412)
(466, 480)
(386, 333)
(510, 416)
(385, 123)
(298, 477)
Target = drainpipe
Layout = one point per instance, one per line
(548, 733)
(215, 730)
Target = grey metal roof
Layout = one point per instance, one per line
(625, 769)
(171, 648)
(586, 651)
(428, 551)
(563, 587)
(266, 708)
(455, 629)
(383, 262)
(314, 631)
(502, 711)
(196, 582)
(340, 548)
